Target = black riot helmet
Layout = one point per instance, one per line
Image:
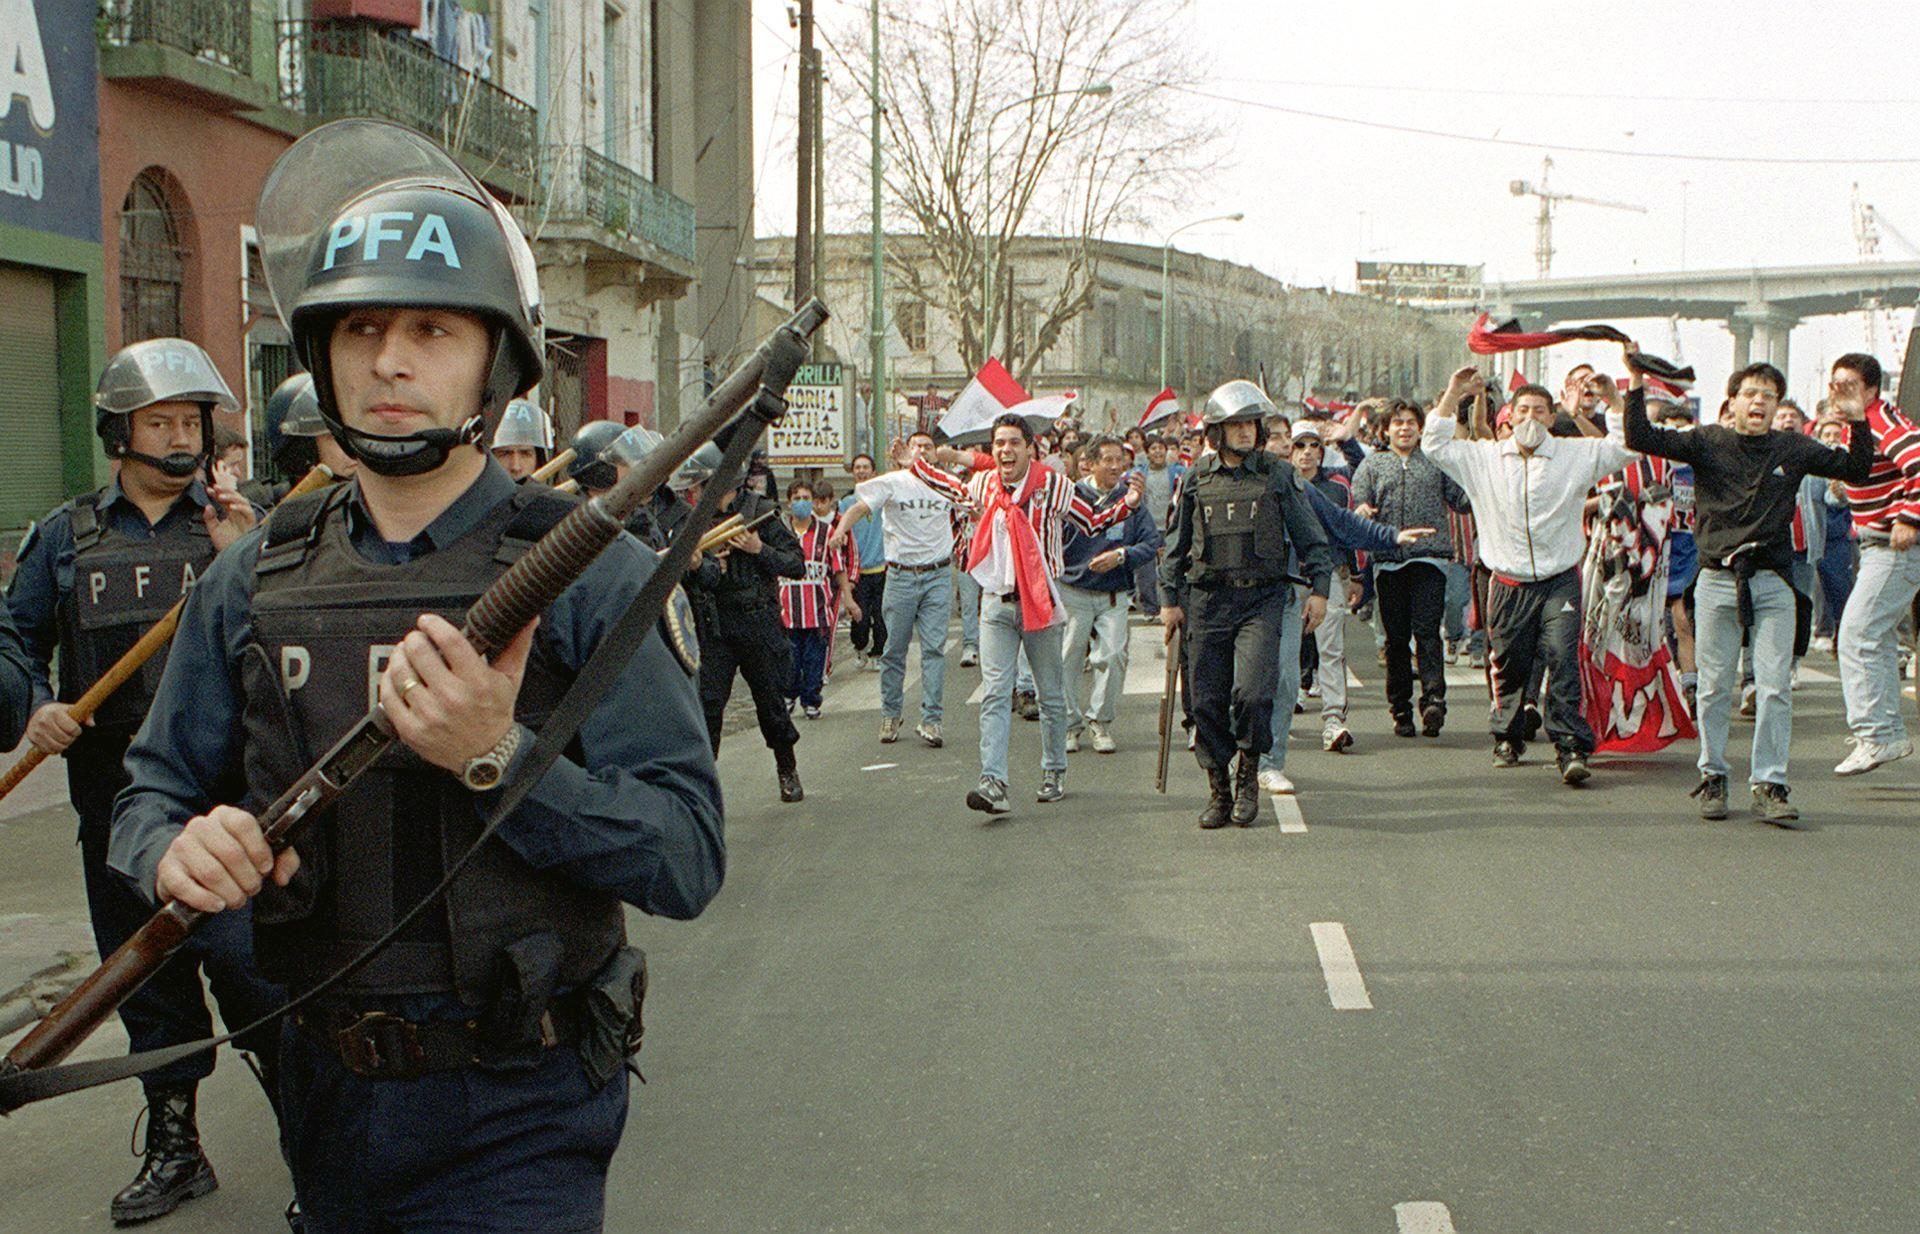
(698, 468)
(293, 424)
(159, 370)
(363, 213)
(590, 466)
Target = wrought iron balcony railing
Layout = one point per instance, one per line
(218, 31)
(586, 186)
(330, 70)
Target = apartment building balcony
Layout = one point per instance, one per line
(625, 229)
(201, 51)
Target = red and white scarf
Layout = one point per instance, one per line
(1003, 536)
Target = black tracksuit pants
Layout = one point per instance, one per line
(870, 631)
(1413, 600)
(752, 642)
(1527, 623)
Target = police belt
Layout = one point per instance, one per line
(379, 1045)
(1245, 584)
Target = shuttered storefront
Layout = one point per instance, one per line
(29, 396)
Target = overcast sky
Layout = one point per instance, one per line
(1602, 89)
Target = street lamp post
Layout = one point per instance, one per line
(1166, 280)
(1098, 89)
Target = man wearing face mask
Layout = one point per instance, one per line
(1529, 493)
(94, 575)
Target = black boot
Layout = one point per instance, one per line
(788, 770)
(1246, 790)
(175, 1170)
(1219, 799)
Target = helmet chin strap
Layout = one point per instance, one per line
(179, 464)
(410, 455)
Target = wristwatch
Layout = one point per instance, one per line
(484, 771)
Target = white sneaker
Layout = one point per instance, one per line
(1336, 739)
(969, 656)
(1275, 781)
(1866, 755)
(1073, 742)
(1103, 741)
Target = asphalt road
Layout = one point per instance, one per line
(1440, 997)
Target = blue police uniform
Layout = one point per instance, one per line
(632, 814)
(16, 682)
(171, 1008)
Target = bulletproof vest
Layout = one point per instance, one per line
(121, 587)
(1239, 533)
(324, 625)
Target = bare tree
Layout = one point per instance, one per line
(966, 82)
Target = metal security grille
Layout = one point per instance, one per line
(152, 264)
(29, 396)
(564, 391)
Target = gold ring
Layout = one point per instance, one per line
(406, 685)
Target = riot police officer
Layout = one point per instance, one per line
(93, 576)
(523, 440)
(736, 591)
(1239, 516)
(472, 1074)
(297, 441)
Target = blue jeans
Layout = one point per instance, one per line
(1099, 618)
(1869, 642)
(1459, 588)
(1001, 641)
(809, 666)
(969, 593)
(1716, 633)
(916, 601)
(1286, 689)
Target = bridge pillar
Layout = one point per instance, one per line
(1767, 331)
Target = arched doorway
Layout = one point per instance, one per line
(153, 262)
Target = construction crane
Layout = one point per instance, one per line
(1543, 223)
(1868, 224)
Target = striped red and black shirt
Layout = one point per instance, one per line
(807, 602)
(1892, 490)
(1054, 500)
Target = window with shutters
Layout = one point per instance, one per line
(563, 391)
(152, 262)
(911, 317)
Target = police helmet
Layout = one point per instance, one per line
(698, 469)
(1237, 400)
(293, 421)
(631, 448)
(524, 425)
(159, 370)
(365, 213)
(590, 466)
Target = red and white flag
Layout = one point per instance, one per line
(992, 392)
(1164, 404)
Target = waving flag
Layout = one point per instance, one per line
(1485, 340)
(1630, 685)
(992, 392)
(1164, 404)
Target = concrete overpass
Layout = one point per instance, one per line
(1759, 306)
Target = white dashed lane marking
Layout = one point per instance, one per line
(1286, 808)
(1422, 1217)
(1345, 987)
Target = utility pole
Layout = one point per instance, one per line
(803, 205)
(877, 320)
(818, 254)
